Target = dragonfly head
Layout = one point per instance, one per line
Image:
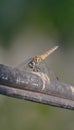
(32, 63)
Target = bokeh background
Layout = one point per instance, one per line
(28, 28)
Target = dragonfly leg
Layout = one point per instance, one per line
(36, 69)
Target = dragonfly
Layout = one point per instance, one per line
(36, 63)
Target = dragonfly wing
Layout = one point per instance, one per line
(24, 64)
(42, 67)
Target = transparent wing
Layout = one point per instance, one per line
(24, 64)
(42, 67)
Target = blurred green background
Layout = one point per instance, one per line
(28, 28)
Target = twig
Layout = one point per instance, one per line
(35, 86)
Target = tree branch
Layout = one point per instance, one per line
(36, 87)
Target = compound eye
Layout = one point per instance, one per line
(31, 64)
